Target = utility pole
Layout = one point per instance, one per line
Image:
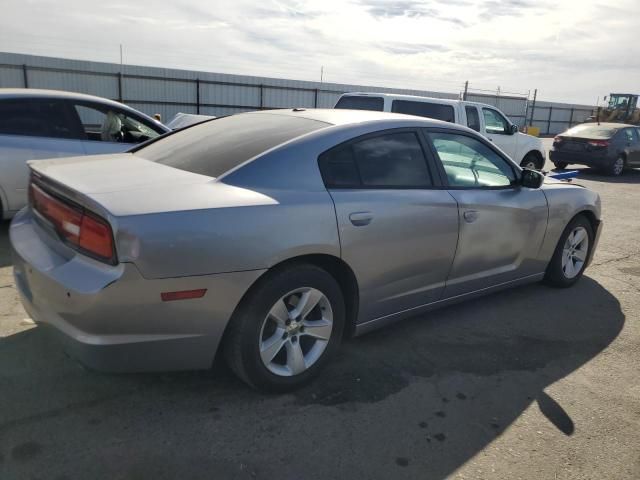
(466, 89)
(121, 56)
(321, 73)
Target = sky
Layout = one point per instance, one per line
(570, 50)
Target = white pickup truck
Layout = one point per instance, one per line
(528, 151)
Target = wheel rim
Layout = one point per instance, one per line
(296, 332)
(618, 166)
(574, 253)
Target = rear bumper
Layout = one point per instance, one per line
(110, 317)
(589, 159)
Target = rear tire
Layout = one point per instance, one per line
(617, 167)
(560, 165)
(532, 161)
(571, 254)
(286, 329)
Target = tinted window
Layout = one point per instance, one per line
(473, 119)
(215, 147)
(338, 168)
(494, 122)
(41, 118)
(361, 103)
(630, 135)
(470, 163)
(424, 109)
(107, 124)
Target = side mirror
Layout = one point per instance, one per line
(513, 129)
(531, 178)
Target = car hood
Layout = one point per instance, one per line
(124, 184)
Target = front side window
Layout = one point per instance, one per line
(630, 135)
(393, 160)
(375, 104)
(494, 122)
(473, 119)
(469, 163)
(102, 123)
(437, 111)
(38, 118)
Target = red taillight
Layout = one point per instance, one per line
(75, 225)
(95, 237)
(598, 143)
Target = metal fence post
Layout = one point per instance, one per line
(315, 100)
(25, 76)
(198, 96)
(120, 95)
(533, 107)
(571, 118)
(466, 90)
(549, 121)
(261, 96)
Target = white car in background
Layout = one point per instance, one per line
(526, 150)
(40, 124)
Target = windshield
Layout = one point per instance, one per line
(592, 131)
(213, 148)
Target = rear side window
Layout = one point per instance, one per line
(630, 135)
(38, 118)
(473, 119)
(393, 160)
(213, 148)
(375, 104)
(424, 109)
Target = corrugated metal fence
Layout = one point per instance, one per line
(168, 91)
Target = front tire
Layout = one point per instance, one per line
(571, 255)
(286, 328)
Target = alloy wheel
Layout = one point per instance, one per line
(574, 253)
(296, 332)
(618, 166)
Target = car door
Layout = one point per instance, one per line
(502, 224)
(33, 129)
(108, 129)
(631, 140)
(398, 230)
(498, 130)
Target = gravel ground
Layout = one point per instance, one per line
(532, 383)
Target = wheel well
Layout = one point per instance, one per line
(589, 215)
(536, 154)
(342, 273)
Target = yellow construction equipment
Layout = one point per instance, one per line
(622, 108)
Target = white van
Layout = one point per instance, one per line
(528, 151)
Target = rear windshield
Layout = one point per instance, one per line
(375, 104)
(213, 148)
(592, 131)
(424, 109)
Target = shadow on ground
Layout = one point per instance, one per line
(419, 398)
(630, 175)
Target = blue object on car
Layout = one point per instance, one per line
(564, 175)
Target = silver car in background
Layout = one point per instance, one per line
(271, 235)
(37, 124)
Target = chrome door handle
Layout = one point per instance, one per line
(360, 219)
(470, 216)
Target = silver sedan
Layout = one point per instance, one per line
(273, 235)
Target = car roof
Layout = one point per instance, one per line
(344, 117)
(607, 125)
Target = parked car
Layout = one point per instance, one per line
(37, 124)
(610, 147)
(270, 235)
(526, 150)
(181, 120)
